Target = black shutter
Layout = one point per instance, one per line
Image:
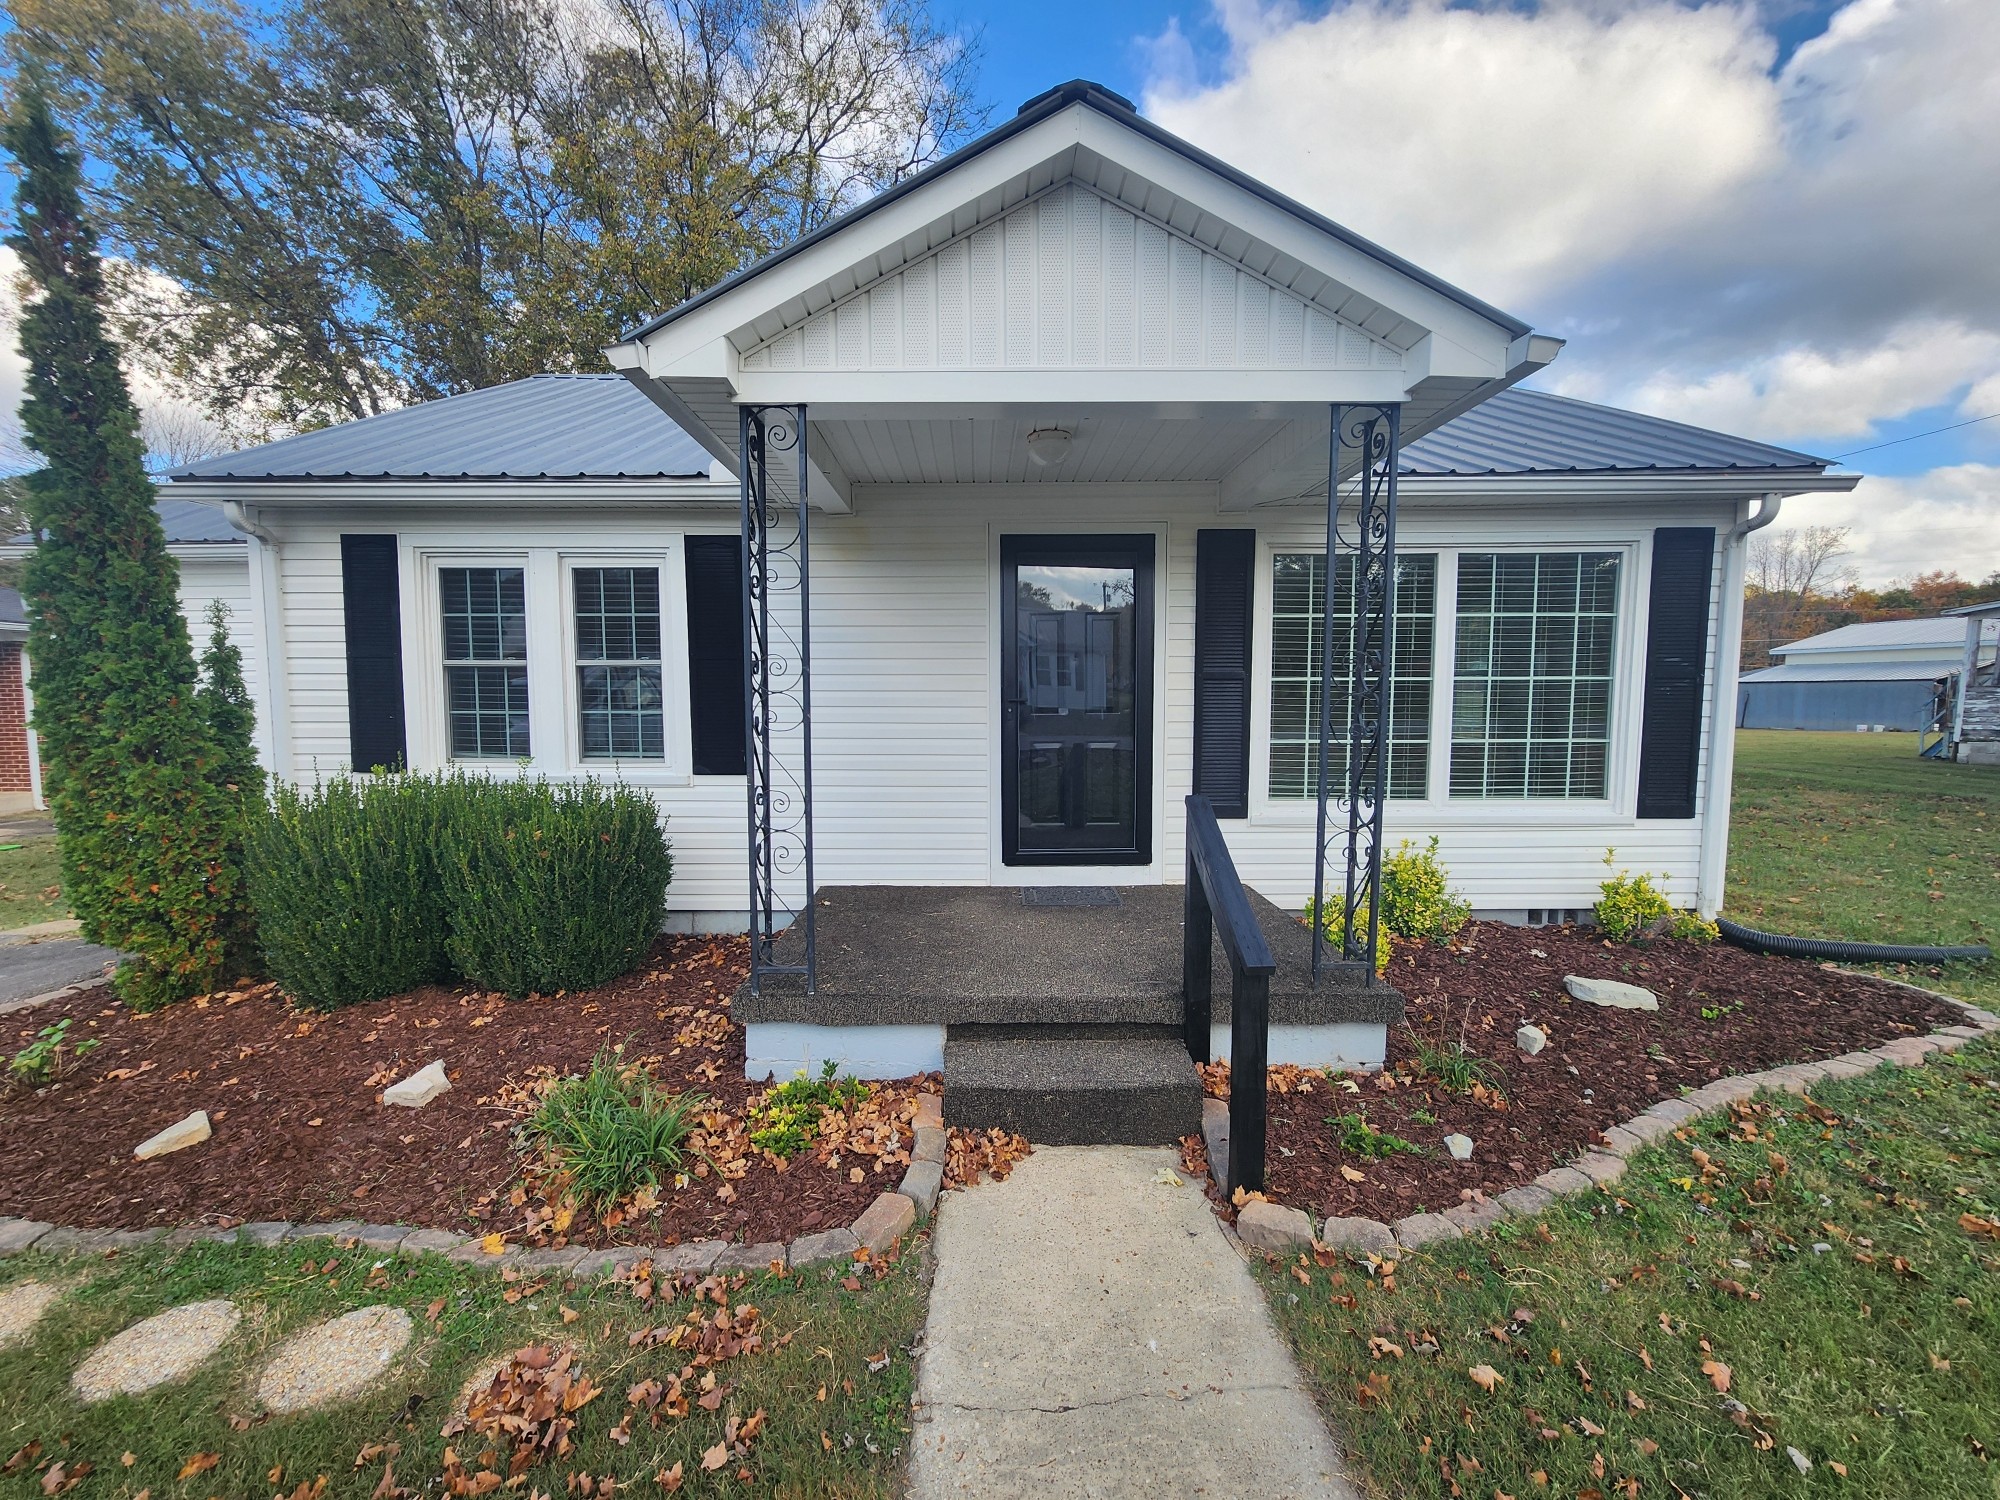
(372, 610)
(715, 653)
(1224, 586)
(1676, 652)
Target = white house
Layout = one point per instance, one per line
(214, 564)
(1066, 432)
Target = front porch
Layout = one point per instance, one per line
(1052, 1010)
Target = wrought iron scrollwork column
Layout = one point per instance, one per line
(1372, 436)
(777, 701)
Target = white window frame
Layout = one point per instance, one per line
(1437, 808)
(554, 728)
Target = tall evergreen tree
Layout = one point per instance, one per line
(141, 817)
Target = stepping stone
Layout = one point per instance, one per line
(167, 1347)
(21, 1307)
(333, 1361)
(1610, 993)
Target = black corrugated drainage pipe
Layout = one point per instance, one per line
(1853, 953)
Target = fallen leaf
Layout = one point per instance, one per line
(715, 1457)
(1351, 1175)
(492, 1244)
(1718, 1375)
(201, 1463)
(1485, 1376)
(669, 1479)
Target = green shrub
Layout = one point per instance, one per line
(1628, 904)
(347, 887)
(613, 1130)
(551, 886)
(1358, 1138)
(1416, 895)
(786, 1121)
(1455, 1066)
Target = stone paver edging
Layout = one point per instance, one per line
(1273, 1229)
(881, 1225)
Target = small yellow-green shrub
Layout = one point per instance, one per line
(1627, 904)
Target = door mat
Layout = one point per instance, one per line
(1069, 895)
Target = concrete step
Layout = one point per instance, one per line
(1072, 1085)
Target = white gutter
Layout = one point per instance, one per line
(266, 602)
(1714, 869)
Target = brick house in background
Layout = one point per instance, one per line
(214, 563)
(20, 783)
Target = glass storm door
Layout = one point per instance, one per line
(1076, 681)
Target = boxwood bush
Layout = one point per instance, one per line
(346, 885)
(368, 886)
(551, 886)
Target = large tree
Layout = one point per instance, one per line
(141, 815)
(333, 206)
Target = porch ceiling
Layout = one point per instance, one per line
(1104, 449)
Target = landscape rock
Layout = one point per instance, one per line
(1215, 1137)
(1562, 1181)
(166, 1347)
(885, 1221)
(18, 1234)
(1358, 1237)
(1460, 1146)
(1531, 1039)
(1526, 1201)
(930, 1112)
(1620, 1141)
(333, 1361)
(176, 1137)
(1475, 1216)
(429, 1242)
(545, 1262)
(759, 1257)
(419, 1088)
(1612, 993)
(335, 1229)
(1273, 1229)
(1600, 1167)
(828, 1244)
(1419, 1230)
(930, 1144)
(921, 1185)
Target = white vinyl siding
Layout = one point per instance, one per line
(905, 684)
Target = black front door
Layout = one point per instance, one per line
(1076, 687)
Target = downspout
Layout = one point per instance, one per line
(1714, 870)
(266, 594)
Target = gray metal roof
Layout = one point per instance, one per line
(1878, 635)
(186, 523)
(190, 523)
(601, 426)
(1919, 669)
(544, 427)
(1534, 432)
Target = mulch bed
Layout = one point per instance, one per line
(1600, 1067)
(299, 1133)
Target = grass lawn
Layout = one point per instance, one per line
(1852, 836)
(835, 1378)
(29, 884)
(1790, 1278)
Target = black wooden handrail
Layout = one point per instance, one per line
(1216, 902)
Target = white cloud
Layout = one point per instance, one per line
(1503, 150)
(1799, 253)
(1803, 392)
(1948, 518)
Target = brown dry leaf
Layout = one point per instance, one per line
(128, 1458)
(492, 1244)
(200, 1463)
(1837, 1466)
(23, 1457)
(714, 1458)
(569, 1314)
(670, 1479)
(1379, 1347)
(1485, 1376)
(1351, 1175)
(1718, 1375)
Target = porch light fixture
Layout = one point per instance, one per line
(1048, 445)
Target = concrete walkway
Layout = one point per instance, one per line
(1092, 1333)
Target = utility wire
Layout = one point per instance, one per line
(1915, 435)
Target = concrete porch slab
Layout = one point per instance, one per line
(944, 955)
